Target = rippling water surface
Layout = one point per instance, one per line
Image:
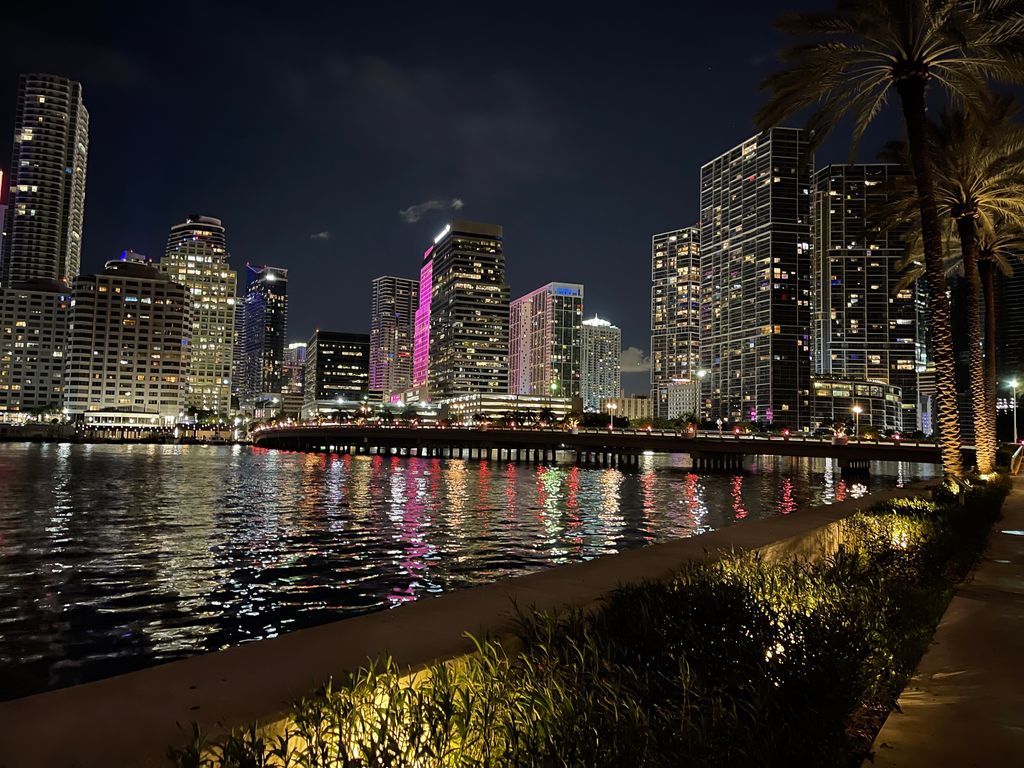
(115, 557)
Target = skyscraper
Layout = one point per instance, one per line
(264, 332)
(546, 341)
(755, 280)
(46, 204)
(196, 257)
(294, 369)
(337, 372)
(392, 333)
(238, 367)
(1010, 328)
(863, 329)
(468, 312)
(675, 311)
(602, 362)
(421, 325)
(4, 192)
(128, 342)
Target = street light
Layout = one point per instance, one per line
(1013, 383)
(701, 374)
(612, 407)
(857, 411)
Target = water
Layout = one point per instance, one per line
(117, 557)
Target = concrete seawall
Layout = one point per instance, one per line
(131, 719)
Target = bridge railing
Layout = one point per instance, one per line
(701, 434)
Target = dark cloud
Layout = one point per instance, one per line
(325, 235)
(28, 49)
(484, 128)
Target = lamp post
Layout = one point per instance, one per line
(700, 384)
(857, 411)
(1013, 384)
(551, 401)
(612, 407)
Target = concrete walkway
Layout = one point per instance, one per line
(965, 704)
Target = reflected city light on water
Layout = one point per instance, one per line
(115, 557)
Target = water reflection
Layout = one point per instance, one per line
(117, 557)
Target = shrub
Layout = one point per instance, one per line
(731, 662)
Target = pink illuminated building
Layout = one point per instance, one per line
(421, 341)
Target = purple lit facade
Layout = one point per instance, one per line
(421, 341)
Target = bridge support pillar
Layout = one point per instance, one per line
(717, 462)
(854, 467)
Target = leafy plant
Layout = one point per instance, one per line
(737, 661)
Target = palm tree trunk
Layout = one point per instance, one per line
(984, 439)
(911, 91)
(988, 287)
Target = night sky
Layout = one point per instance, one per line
(309, 130)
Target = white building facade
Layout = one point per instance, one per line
(601, 362)
(128, 342)
(197, 257)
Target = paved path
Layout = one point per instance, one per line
(965, 704)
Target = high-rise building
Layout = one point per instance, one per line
(1010, 329)
(392, 333)
(128, 342)
(755, 243)
(292, 398)
(33, 333)
(264, 332)
(238, 368)
(421, 325)
(863, 328)
(196, 257)
(602, 362)
(675, 311)
(469, 309)
(3, 217)
(337, 373)
(46, 202)
(546, 341)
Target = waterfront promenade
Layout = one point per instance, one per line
(965, 704)
(131, 719)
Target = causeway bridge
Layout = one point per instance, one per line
(591, 447)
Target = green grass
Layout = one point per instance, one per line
(734, 662)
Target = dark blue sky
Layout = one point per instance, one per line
(580, 127)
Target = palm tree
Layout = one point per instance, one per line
(996, 252)
(979, 187)
(856, 56)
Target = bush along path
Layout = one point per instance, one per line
(734, 662)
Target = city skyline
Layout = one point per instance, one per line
(196, 255)
(344, 222)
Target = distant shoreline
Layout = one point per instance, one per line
(64, 433)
